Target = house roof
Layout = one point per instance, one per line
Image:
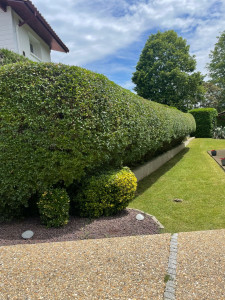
(32, 17)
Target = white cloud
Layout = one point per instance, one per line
(94, 29)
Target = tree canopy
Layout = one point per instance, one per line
(165, 72)
(216, 67)
(213, 97)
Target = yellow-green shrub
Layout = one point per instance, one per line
(106, 193)
(54, 207)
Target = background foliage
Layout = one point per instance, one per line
(219, 133)
(221, 120)
(213, 97)
(165, 72)
(216, 68)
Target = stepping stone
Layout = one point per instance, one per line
(140, 217)
(27, 234)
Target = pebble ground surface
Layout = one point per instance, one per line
(115, 268)
(127, 268)
(201, 265)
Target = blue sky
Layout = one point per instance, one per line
(108, 36)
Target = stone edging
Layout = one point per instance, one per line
(153, 217)
(154, 164)
(169, 293)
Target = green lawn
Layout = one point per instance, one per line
(193, 176)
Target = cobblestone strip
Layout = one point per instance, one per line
(169, 293)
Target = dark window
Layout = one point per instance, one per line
(31, 48)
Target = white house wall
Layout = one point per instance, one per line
(17, 38)
(24, 35)
(7, 39)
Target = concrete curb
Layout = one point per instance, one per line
(169, 293)
(154, 164)
(153, 217)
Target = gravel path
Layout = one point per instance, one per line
(131, 268)
(116, 268)
(201, 265)
(123, 224)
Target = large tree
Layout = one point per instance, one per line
(216, 67)
(165, 72)
(213, 97)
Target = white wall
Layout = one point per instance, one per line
(7, 39)
(18, 38)
(25, 35)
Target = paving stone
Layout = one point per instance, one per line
(169, 296)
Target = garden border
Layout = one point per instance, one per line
(220, 152)
(154, 164)
(153, 217)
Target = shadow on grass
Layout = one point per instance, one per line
(148, 181)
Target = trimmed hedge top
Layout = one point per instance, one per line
(9, 57)
(58, 123)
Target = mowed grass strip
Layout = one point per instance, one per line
(193, 176)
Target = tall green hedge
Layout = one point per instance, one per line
(205, 121)
(58, 123)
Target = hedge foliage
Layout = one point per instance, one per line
(106, 193)
(59, 123)
(9, 57)
(221, 120)
(54, 207)
(205, 121)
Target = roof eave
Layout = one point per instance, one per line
(32, 17)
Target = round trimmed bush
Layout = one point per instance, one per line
(54, 208)
(106, 194)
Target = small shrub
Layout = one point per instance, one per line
(106, 194)
(219, 133)
(54, 207)
(205, 119)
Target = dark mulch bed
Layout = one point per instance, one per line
(122, 224)
(217, 158)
